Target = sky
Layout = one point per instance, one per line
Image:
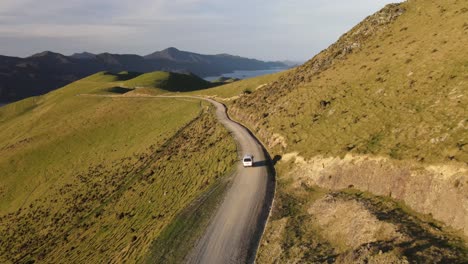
(263, 29)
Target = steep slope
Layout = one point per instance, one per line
(380, 114)
(92, 178)
(46, 71)
(376, 78)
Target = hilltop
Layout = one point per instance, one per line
(46, 71)
(370, 136)
(169, 81)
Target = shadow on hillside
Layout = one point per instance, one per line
(276, 159)
(118, 90)
(124, 76)
(426, 242)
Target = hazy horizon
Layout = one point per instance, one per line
(266, 30)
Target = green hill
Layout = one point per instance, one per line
(169, 81)
(87, 178)
(374, 131)
(106, 76)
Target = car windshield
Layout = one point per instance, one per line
(247, 159)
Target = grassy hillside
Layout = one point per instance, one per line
(396, 89)
(382, 112)
(92, 178)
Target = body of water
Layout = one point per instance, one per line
(245, 74)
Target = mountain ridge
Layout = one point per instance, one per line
(83, 55)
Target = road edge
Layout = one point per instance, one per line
(269, 195)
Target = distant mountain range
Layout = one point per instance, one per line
(46, 71)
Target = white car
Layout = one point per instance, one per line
(248, 160)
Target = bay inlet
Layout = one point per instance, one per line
(245, 74)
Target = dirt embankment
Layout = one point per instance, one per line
(310, 224)
(440, 191)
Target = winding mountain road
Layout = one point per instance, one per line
(235, 229)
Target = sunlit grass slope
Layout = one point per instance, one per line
(394, 86)
(90, 178)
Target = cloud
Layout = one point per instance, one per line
(283, 29)
(65, 31)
